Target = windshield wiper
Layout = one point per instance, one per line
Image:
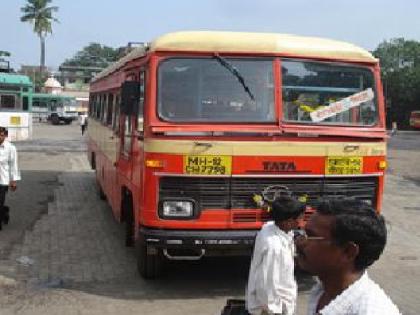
(236, 73)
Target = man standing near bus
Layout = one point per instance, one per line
(83, 122)
(9, 172)
(272, 287)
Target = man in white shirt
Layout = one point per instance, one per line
(272, 287)
(83, 122)
(340, 241)
(9, 172)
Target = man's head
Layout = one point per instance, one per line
(3, 134)
(342, 235)
(286, 211)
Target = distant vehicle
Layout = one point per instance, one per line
(415, 119)
(55, 108)
(16, 105)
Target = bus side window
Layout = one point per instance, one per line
(142, 81)
(98, 107)
(53, 105)
(116, 116)
(127, 135)
(110, 105)
(104, 109)
(91, 105)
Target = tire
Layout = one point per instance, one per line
(101, 193)
(129, 224)
(93, 161)
(149, 266)
(55, 120)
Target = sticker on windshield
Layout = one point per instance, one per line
(342, 105)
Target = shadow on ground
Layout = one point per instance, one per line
(27, 204)
(87, 241)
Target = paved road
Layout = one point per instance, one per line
(404, 155)
(72, 258)
(40, 166)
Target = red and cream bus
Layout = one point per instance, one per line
(185, 131)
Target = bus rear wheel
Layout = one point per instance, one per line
(100, 191)
(150, 262)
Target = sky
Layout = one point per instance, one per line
(115, 23)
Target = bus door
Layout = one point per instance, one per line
(129, 108)
(138, 140)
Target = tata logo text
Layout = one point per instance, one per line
(270, 166)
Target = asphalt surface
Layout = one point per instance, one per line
(64, 253)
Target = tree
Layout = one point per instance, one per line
(400, 67)
(95, 55)
(39, 78)
(40, 15)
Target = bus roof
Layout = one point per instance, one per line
(247, 43)
(15, 79)
(265, 43)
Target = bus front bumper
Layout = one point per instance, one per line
(214, 242)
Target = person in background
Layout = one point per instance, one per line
(272, 286)
(83, 121)
(9, 173)
(340, 241)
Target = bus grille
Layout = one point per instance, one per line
(236, 193)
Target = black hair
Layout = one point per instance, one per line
(4, 130)
(357, 222)
(286, 207)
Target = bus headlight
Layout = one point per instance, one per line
(177, 209)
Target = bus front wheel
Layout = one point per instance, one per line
(150, 262)
(129, 228)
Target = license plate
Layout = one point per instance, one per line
(207, 165)
(15, 120)
(350, 165)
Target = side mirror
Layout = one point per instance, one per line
(130, 97)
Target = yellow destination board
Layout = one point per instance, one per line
(344, 165)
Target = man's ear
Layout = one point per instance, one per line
(351, 251)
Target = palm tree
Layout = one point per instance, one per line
(38, 13)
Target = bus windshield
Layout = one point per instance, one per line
(327, 93)
(216, 90)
